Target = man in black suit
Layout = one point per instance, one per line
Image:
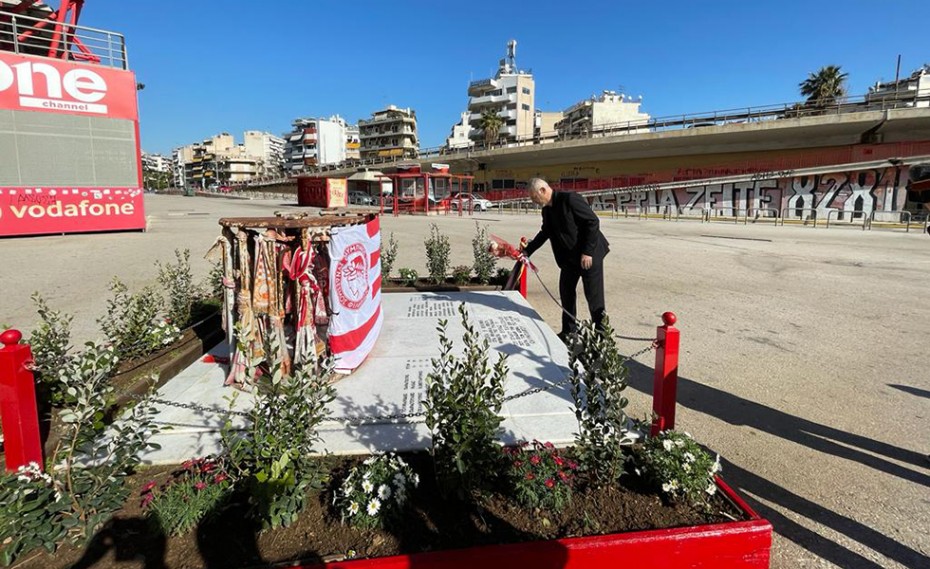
(579, 247)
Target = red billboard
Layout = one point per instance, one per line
(36, 211)
(51, 85)
(44, 187)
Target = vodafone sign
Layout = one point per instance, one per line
(37, 211)
(52, 85)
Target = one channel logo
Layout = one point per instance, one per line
(79, 89)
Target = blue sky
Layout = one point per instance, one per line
(232, 66)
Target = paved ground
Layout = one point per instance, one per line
(803, 350)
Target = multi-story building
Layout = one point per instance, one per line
(269, 149)
(460, 136)
(600, 115)
(510, 94)
(353, 143)
(913, 90)
(314, 143)
(391, 132)
(155, 162)
(544, 129)
(180, 158)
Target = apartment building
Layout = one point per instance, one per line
(353, 143)
(155, 162)
(510, 94)
(602, 114)
(913, 90)
(218, 160)
(314, 142)
(544, 125)
(180, 158)
(269, 149)
(460, 137)
(391, 132)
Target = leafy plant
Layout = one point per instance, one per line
(677, 465)
(374, 493)
(463, 401)
(388, 256)
(541, 476)
(438, 248)
(408, 277)
(598, 377)
(485, 261)
(129, 321)
(178, 282)
(273, 455)
(190, 494)
(461, 274)
(214, 283)
(32, 507)
(51, 342)
(503, 273)
(93, 458)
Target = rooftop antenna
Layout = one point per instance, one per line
(512, 55)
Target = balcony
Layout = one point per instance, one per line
(489, 100)
(481, 86)
(38, 33)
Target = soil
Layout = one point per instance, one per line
(229, 540)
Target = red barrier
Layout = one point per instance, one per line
(523, 277)
(665, 384)
(20, 418)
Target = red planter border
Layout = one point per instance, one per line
(742, 544)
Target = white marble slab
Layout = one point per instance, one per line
(392, 381)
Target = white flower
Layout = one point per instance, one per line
(687, 434)
(400, 496)
(353, 508)
(679, 443)
(367, 486)
(711, 489)
(368, 461)
(687, 467)
(667, 445)
(384, 492)
(367, 475)
(667, 488)
(716, 467)
(347, 489)
(688, 457)
(400, 479)
(374, 506)
(415, 479)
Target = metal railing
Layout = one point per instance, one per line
(813, 217)
(47, 37)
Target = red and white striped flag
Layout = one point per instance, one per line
(355, 293)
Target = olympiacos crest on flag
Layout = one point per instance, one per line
(355, 293)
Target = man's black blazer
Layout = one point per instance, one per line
(573, 228)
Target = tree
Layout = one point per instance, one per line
(491, 123)
(825, 87)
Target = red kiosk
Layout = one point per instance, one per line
(418, 191)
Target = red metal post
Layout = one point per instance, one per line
(22, 443)
(426, 193)
(665, 384)
(523, 272)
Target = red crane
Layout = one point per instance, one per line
(34, 27)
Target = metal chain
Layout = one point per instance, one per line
(368, 419)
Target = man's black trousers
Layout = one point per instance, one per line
(593, 282)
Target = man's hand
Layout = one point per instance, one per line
(586, 262)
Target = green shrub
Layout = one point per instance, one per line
(438, 249)
(598, 377)
(677, 466)
(130, 322)
(463, 401)
(272, 457)
(461, 274)
(542, 477)
(408, 277)
(51, 344)
(485, 262)
(178, 282)
(388, 256)
(32, 507)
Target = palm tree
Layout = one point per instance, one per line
(491, 123)
(825, 87)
